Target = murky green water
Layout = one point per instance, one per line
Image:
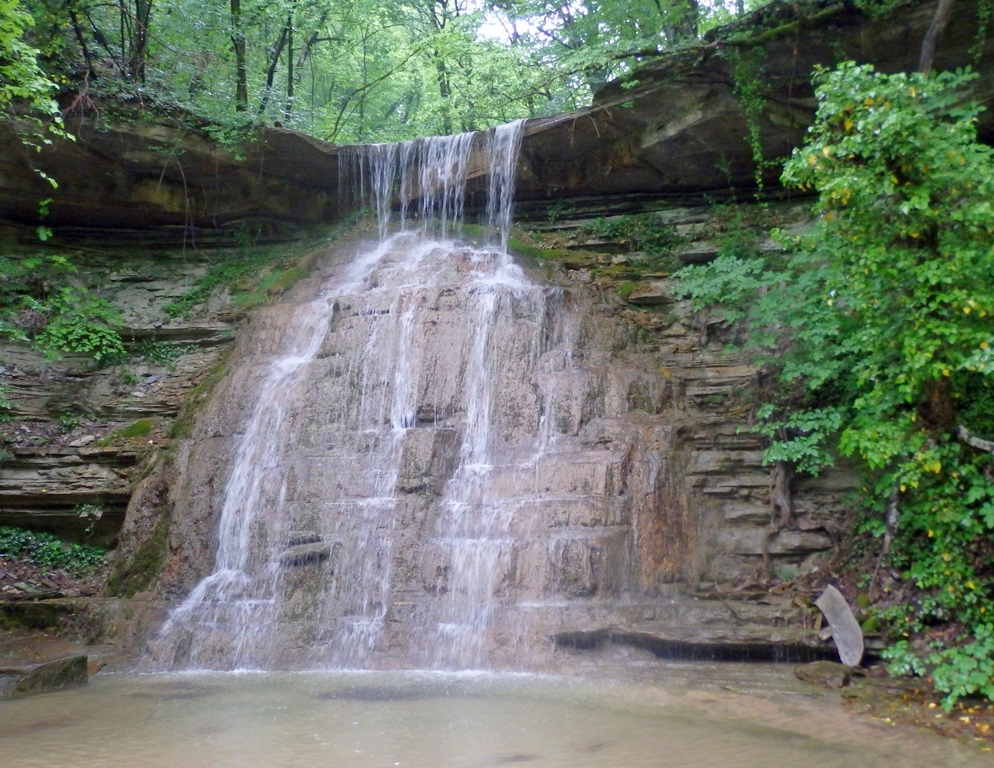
(432, 720)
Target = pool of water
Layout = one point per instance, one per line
(735, 717)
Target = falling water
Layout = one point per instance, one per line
(336, 520)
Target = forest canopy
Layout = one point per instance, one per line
(349, 72)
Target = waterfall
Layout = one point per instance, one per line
(365, 516)
(433, 173)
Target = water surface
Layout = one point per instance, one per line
(457, 720)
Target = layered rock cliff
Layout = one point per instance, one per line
(681, 525)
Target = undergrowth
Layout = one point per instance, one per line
(48, 551)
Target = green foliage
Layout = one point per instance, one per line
(366, 70)
(79, 323)
(159, 353)
(40, 304)
(6, 404)
(222, 274)
(68, 421)
(252, 277)
(48, 551)
(645, 232)
(876, 328)
(747, 79)
(140, 428)
(91, 513)
(22, 80)
(626, 288)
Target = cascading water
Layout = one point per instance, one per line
(332, 522)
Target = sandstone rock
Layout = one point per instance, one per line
(50, 675)
(652, 294)
(845, 629)
(303, 537)
(94, 665)
(701, 253)
(826, 673)
(306, 554)
(681, 131)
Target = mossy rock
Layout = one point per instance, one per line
(140, 428)
(140, 572)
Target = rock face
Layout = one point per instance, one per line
(613, 497)
(634, 500)
(845, 629)
(680, 133)
(77, 433)
(167, 175)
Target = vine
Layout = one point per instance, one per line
(985, 13)
(747, 85)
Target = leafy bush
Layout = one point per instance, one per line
(40, 304)
(48, 551)
(877, 329)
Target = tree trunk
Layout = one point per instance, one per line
(78, 32)
(274, 63)
(444, 91)
(139, 40)
(288, 108)
(942, 13)
(238, 45)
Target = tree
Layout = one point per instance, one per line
(357, 71)
(878, 329)
(21, 78)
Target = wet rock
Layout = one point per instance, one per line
(94, 665)
(829, 674)
(48, 676)
(652, 294)
(703, 253)
(306, 554)
(297, 538)
(845, 629)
